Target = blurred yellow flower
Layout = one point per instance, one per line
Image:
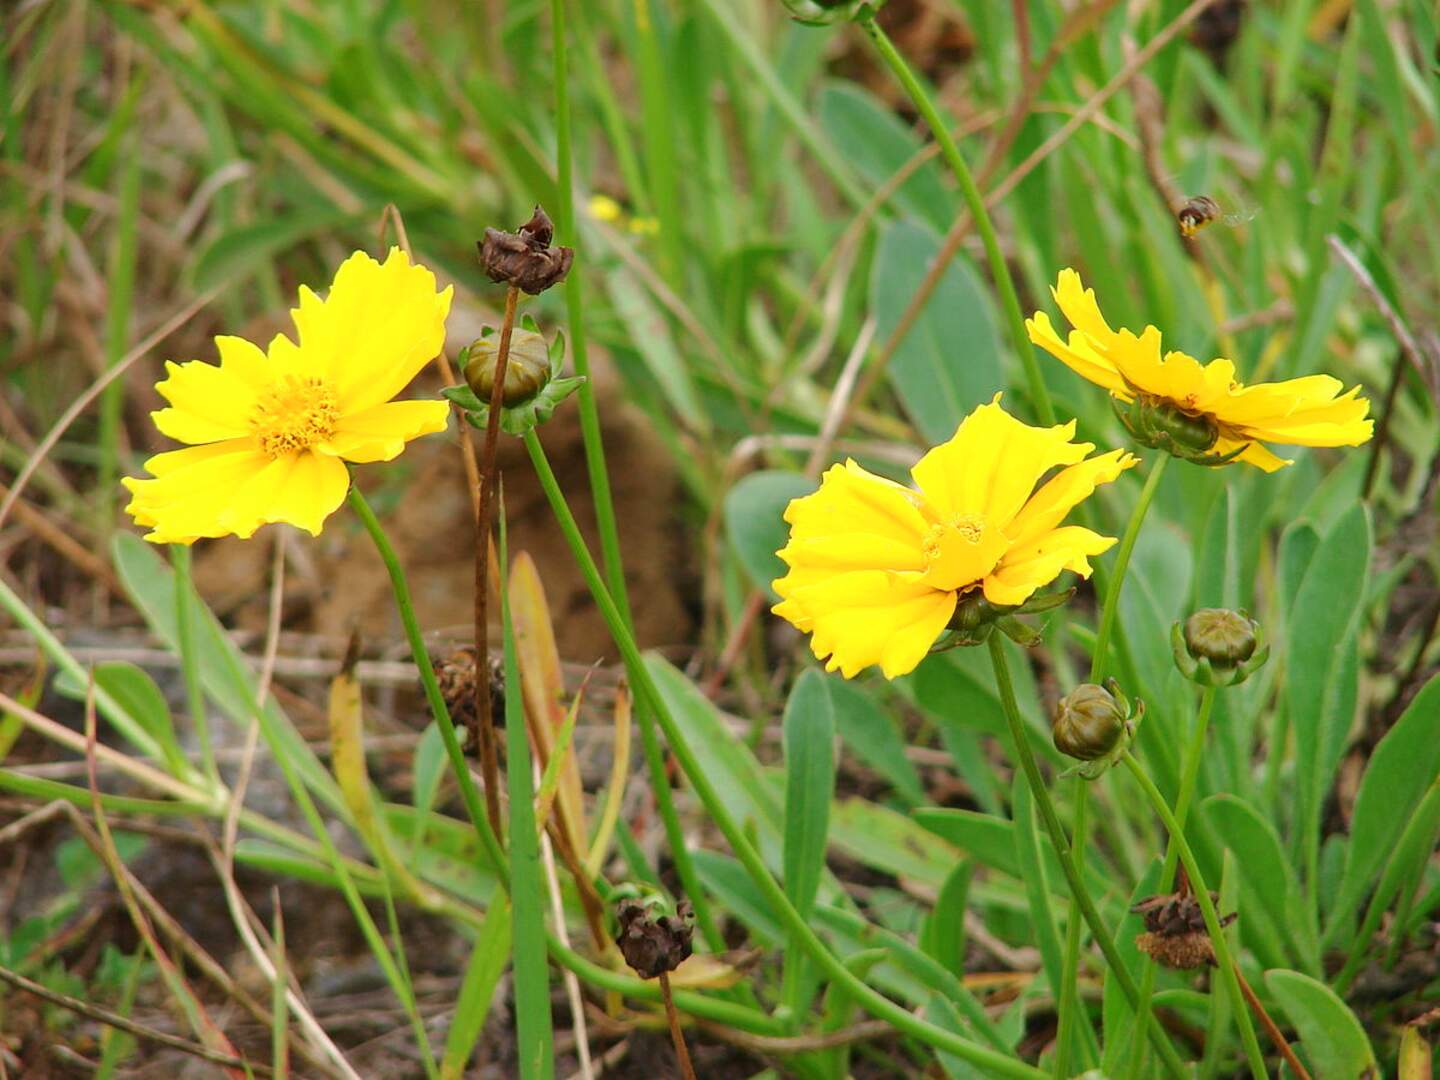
(1198, 411)
(876, 568)
(271, 431)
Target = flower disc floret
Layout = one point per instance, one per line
(1200, 412)
(270, 431)
(877, 569)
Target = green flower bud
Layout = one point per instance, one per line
(1096, 725)
(1088, 722)
(1219, 647)
(1220, 635)
(1162, 425)
(527, 368)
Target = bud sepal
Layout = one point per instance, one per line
(533, 391)
(976, 618)
(1160, 425)
(1096, 725)
(1218, 647)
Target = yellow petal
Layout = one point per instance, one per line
(1079, 355)
(851, 500)
(380, 433)
(1030, 566)
(992, 464)
(1253, 454)
(301, 488)
(191, 489)
(866, 617)
(1078, 305)
(853, 551)
(210, 403)
(1066, 490)
(378, 326)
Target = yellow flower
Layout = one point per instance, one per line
(877, 568)
(1200, 407)
(271, 431)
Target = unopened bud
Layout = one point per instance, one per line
(1161, 425)
(527, 368)
(1220, 635)
(1219, 647)
(1088, 722)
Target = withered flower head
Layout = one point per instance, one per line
(525, 258)
(456, 676)
(651, 943)
(1175, 932)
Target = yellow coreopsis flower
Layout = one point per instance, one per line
(271, 431)
(1197, 411)
(877, 568)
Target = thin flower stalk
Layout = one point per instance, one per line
(733, 1014)
(1099, 663)
(1223, 959)
(599, 476)
(189, 664)
(1189, 775)
(682, 1052)
(774, 895)
(1066, 855)
(400, 589)
(482, 733)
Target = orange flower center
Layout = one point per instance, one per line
(295, 412)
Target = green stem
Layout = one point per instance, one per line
(696, 1004)
(599, 476)
(575, 311)
(869, 999)
(189, 664)
(999, 270)
(1190, 772)
(1078, 891)
(1223, 959)
(1099, 661)
(401, 589)
(1071, 1007)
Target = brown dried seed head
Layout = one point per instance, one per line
(456, 676)
(1175, 930)
(653, 944)
(1181, 951)
(525, 258)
